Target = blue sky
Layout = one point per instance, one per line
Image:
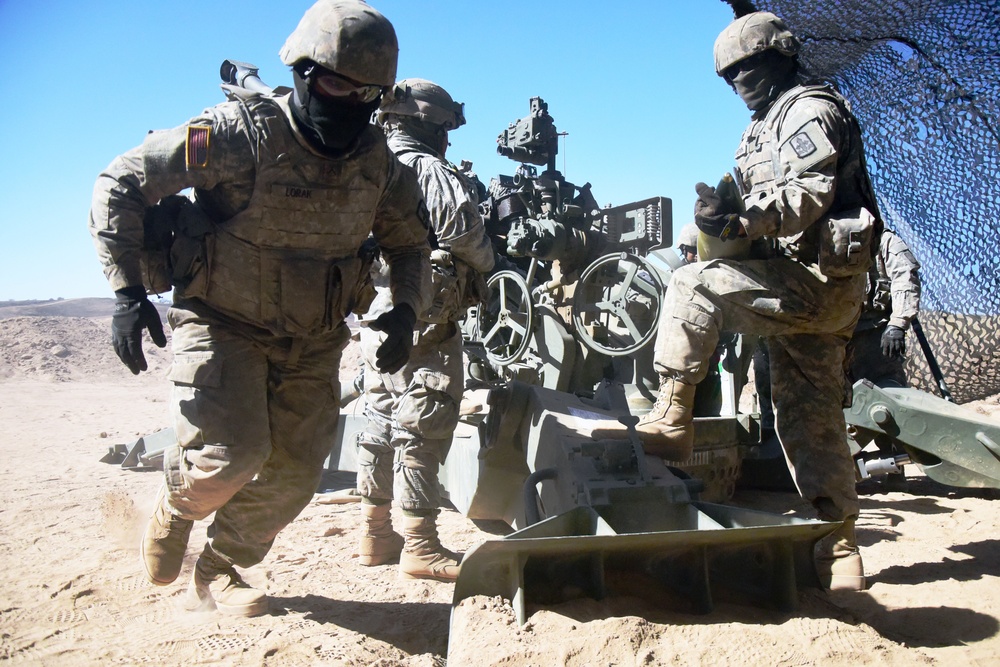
(632, 83)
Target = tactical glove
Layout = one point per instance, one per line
(893, 342)
(710, 217)
(133, 313)
(397, 324)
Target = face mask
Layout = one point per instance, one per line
(762, 79)
(754, 88)
(433, 136)
(333, 124)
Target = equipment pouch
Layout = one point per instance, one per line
(190, 264)
(308, 289)
(347, 284)
(845, 244)
(447, 290)
(190, 253)
(158, 226)
(155, 271)
(313, 295)
(364, 292)
(477, 291)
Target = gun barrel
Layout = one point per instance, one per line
(244, 75)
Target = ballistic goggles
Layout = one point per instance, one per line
(329, 84)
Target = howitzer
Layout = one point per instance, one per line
(558, 348)
(555, 351)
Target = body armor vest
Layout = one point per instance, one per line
(289, 261)
(761, 170)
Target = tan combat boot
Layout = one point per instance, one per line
(838, 561)
(379, 544)
(423, 556)
(164, 543)
(217, 585)
(667, 430)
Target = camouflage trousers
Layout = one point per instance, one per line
(255, 415)
(412, 415)
(807, 320)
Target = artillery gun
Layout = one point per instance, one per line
(565, 341)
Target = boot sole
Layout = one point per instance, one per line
(839, 582)
(244, 610)
(406, 576)
(369, 561)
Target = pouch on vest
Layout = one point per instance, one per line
(155, 272)
(447, 290)
(191, 251)
(364, 293)
(158, 226)
(845, 243)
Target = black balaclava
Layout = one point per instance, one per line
(330, 125)
(760, 85)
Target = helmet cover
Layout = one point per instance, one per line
(751, 34)
(425, 101)
(348, 37)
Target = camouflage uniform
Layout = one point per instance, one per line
(893, 299)
(258, 317)
(412, 413)
(800, 161)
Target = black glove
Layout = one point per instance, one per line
(133, 313)
(398, 325)
(893, 342)
(709, 216)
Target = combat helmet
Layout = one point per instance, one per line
(688, 236)
(425, 101)
(751, 34)
(347, 37)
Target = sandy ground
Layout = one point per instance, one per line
(72, 593)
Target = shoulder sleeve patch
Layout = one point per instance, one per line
(807, 147)
(802, 144)
(196, 154)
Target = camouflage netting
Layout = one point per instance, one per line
(923, 78)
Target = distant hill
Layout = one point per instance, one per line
(87, 307)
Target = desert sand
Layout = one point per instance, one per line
(72, 592)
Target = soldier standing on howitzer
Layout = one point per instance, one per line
(266, 267)
(878, 348)
(413, 411)
(804, 186)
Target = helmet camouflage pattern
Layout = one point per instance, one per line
(347, 37)
(688, 235)
(425, 101)
(749, 35)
